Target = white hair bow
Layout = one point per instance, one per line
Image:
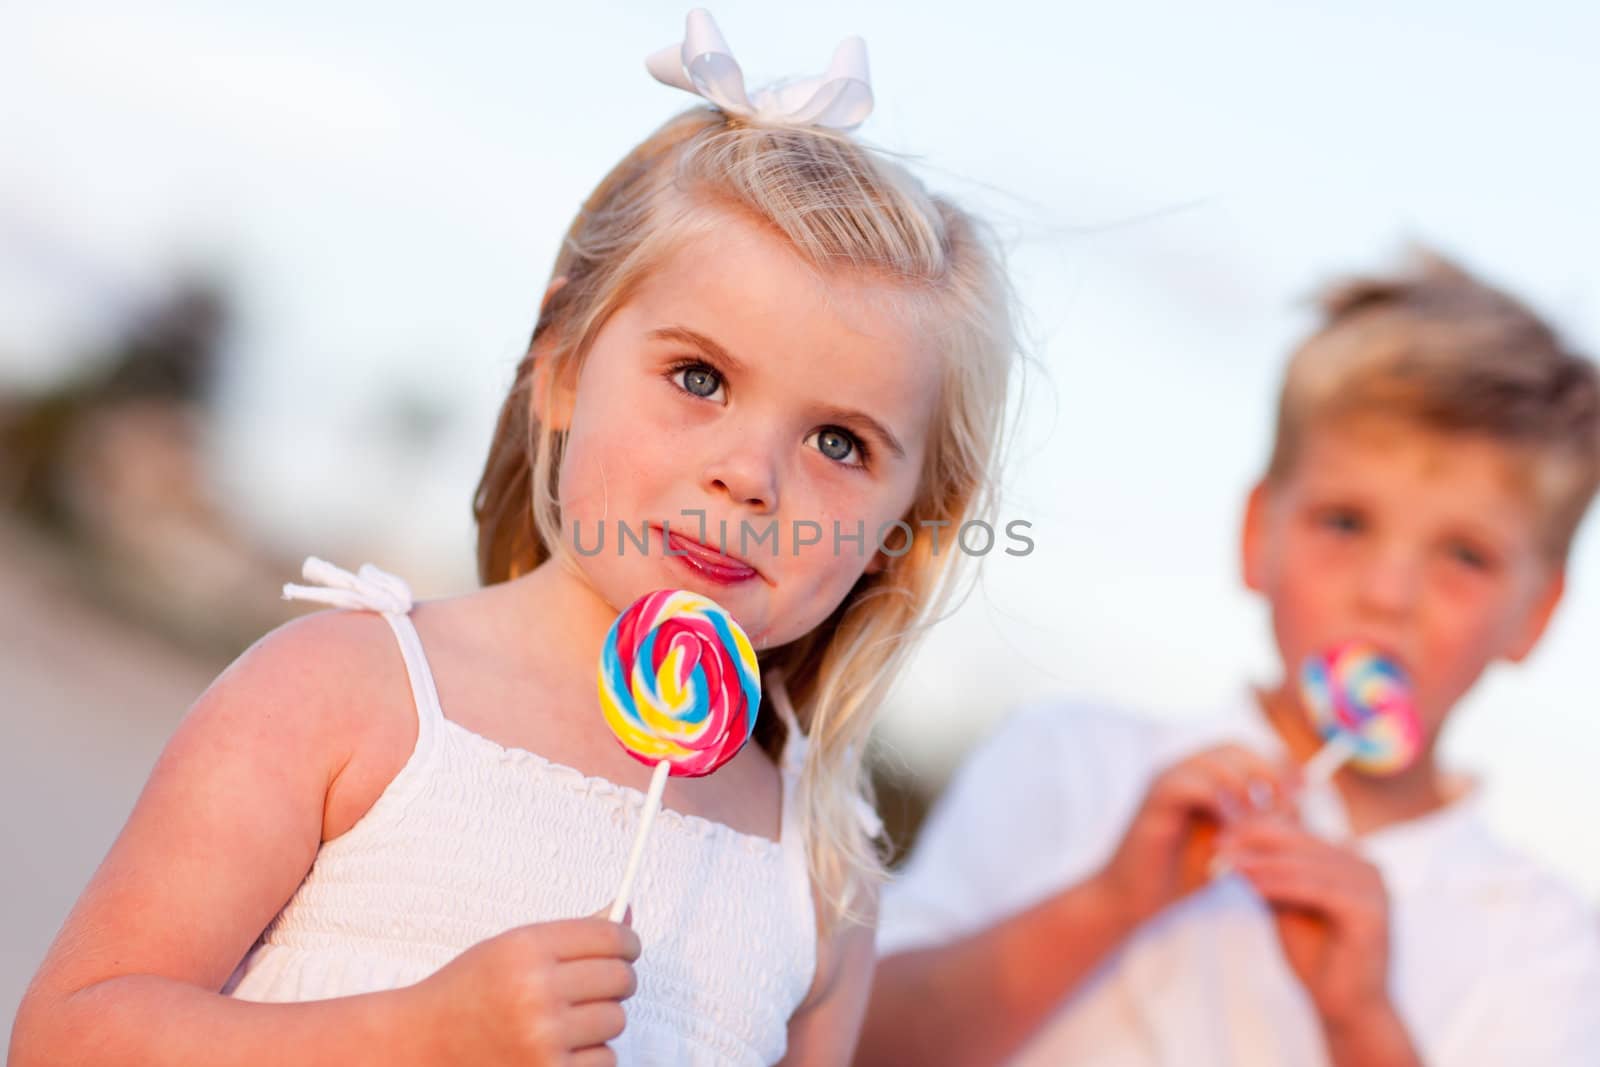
(840, 99)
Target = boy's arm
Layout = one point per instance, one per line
(1380, 1039)
(978, 999)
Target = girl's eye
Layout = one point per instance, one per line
(841, 446)
(697, 379)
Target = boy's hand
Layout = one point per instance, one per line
(1331, 911)
(1168, 848)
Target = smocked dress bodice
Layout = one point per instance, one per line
(471, 839)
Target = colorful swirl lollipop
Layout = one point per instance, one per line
(679, 683)
(680, 688)
(1361, 703)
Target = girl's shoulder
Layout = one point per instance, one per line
(321, 670)
(330, 688)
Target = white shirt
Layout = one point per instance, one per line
(1493, 961)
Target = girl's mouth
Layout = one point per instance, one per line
(707, 562)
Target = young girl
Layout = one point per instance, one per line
(358, 851)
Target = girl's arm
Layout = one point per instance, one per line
(147, 1019)
(286, 750)
(221, 836)
(825, 1027)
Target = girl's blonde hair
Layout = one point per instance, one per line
(842, 208)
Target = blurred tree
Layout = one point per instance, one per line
(175, 351)
(169, 354)
(110, 465)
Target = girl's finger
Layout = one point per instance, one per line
(581, 981)
(594, 1023)
(593, 1056)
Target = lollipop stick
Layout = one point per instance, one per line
(652, 801)
(1321, 767)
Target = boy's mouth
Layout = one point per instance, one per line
(1366, 646)
(1384, 650)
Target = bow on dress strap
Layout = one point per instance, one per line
(368, 589)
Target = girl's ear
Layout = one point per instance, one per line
(558, 283)
(1253, 547)
(553, 393)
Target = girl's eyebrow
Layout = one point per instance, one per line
(699, 340)
(861, 421)
(850, 419)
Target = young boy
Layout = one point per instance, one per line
(1103, 890)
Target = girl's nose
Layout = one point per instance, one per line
(747, 476)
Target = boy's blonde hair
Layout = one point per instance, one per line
(1437, 347)
(843, 209)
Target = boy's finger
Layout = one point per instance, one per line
(1199, 791)
(1288, 879)
(1252, 782)
(1275, 832)
(1266, 840)
(1228, 780)
(1290, 882)
(1268, 785)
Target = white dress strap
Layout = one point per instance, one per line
(371, 589)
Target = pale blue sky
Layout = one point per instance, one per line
(386, 185)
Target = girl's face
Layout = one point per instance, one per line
(745, 418)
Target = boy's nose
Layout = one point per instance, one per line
(1390, 583)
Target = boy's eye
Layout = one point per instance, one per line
(1468, 556)
(1341, 520)
(697, 379)
(839, 445)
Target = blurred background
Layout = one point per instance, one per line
(265, 270)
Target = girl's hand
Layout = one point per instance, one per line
(1168, 849)
(1331, 911)
(549, 993)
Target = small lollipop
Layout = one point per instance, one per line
(1361, 704)
(680, 688)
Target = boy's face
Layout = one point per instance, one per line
(1419, 542)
